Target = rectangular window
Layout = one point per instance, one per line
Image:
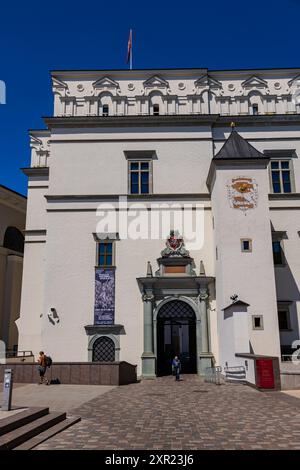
(277, 253)
(257, 322)
(139, 177)
(105, 254)
(246, 244)
(284, 319)
(281, 176)
(105, 110)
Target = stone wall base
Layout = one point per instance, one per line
(77, 373)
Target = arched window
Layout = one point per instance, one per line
(156, 103)
(105, 110)
(14, 240)
(104, 350)
(105, 104)
(255, 103)
(176, 309)
(156, 109)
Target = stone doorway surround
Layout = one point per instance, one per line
(175, 280)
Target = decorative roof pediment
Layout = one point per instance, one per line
(254, 82)
(295, 81)
(156, 82)
(38, 144)
(35, 142)
(105, 82)
(58, 83)
(59, 87)
(207, 81)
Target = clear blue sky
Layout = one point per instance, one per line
(37, 36)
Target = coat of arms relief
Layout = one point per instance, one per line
(242, 193)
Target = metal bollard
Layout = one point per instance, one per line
(218, 370)
(7, 390)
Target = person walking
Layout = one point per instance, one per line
(176, 366)
(42, 367)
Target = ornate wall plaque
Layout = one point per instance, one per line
(242, 193)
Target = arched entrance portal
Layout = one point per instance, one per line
(176, 336)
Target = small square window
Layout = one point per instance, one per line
(257, 322)
(246, 245)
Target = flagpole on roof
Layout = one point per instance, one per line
(130, 65)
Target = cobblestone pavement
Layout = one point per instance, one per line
(190, 414)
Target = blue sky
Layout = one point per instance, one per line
(36, 37)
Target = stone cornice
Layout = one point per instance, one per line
(12, 199)
(104, 329)
(263, 119)
(214, 120)
(284, 197)
(129, 121)
(130, 74)
(36, 171)
(130, 197)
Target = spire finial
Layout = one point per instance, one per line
(202, 269)
(232, 125)
(149, 269)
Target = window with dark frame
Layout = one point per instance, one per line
(139, 177)
(246, 245)
(284, 319)
(255, 109)
(105, 254)
(257, 322)
(277, 252)
(104, 350)
(105, 110)
(156, 109)
(281, 176)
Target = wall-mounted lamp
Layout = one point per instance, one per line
(53, 316)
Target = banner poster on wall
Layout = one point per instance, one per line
(104, 312)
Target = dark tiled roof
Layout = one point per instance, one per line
(240, 303)
(236, 147)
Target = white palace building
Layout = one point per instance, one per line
(225, 144)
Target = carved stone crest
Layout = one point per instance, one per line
(175, 246)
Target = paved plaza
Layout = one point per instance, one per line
(190, 414)
(56, 397)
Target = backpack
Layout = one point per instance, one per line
(48, 361)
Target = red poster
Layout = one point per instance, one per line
(265, 373)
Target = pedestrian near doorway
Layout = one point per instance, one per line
(176, 366)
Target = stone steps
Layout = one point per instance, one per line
(29, 428)
(20, 419)
(35, 441)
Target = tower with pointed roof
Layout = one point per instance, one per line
(238, 181)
